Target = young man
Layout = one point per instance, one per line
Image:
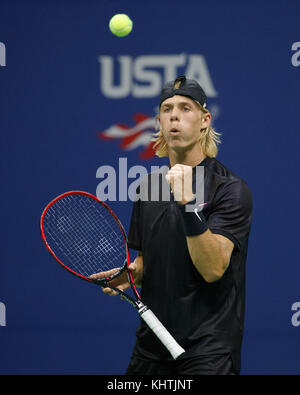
(191, 264)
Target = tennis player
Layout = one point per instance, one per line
(191, 264)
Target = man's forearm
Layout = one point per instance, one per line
(210, 254)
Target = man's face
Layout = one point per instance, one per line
(181, 120)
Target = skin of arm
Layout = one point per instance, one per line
(210, 253)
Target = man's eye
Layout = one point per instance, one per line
(186, 108)
(166, 109)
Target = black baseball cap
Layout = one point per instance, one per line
(184, 87)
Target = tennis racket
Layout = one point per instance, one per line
(86, 237)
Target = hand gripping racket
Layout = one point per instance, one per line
(85, 236)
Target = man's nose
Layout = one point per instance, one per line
(174, 114)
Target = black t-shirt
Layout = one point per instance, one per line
(205, 318)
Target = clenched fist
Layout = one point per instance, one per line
(180, 178)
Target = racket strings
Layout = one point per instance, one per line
(84, 235)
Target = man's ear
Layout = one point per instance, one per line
(157, 119)
(205, 120)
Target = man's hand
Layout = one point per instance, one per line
(180, 178)
(121, 282)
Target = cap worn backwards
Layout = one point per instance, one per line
(184, 87)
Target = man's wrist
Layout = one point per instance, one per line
(188, 200)
(194, 223)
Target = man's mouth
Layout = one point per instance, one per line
(174, 131)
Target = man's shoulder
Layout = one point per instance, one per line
(214, 168)
(220, 178)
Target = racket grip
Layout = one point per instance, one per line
(162, 333)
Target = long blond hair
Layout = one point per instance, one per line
(209, 140)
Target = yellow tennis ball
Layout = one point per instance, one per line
(120, 25)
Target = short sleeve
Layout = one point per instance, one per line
(134, 234)
(231, 214)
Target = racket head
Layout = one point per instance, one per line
(85, 236)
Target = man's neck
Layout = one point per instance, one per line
(186, 158)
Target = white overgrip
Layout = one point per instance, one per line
(162, 333)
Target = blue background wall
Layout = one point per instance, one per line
(53, 107)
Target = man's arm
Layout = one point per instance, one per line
(210, 254)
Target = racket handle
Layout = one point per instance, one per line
(161, 332)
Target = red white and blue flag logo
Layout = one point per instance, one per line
(133, 137)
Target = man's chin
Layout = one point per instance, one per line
(180, 147)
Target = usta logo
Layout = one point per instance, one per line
(143, 76)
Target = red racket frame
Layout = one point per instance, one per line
(127, 263)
